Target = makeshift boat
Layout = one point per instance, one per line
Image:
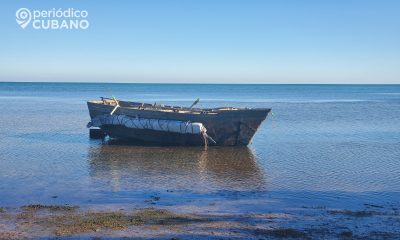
(173, 125)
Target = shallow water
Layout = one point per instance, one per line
(327, 145)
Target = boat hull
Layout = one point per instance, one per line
(227, 128)
(152, 137)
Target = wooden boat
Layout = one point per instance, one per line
(225, 126)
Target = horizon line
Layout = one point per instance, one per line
(199, 83)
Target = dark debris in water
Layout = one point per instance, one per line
(363, 213)
(373, 205)
(281, 233)
(347, 234)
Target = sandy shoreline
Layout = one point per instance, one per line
(66, 221)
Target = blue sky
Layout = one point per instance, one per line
(215, 41)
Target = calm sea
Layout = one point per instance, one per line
(327, 145)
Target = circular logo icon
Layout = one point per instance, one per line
(23, 17)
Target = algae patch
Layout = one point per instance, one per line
(87, 222)
(70, 223)
(34, 207)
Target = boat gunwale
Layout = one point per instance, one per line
(178, 109)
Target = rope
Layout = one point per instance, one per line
(204, 135)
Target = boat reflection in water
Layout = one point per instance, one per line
(126, 168)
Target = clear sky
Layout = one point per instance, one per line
(208, 41)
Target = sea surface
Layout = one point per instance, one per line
(334, 146)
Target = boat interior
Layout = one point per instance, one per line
(160, 107)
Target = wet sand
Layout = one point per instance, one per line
(67, 221)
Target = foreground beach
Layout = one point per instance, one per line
(48, 221)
